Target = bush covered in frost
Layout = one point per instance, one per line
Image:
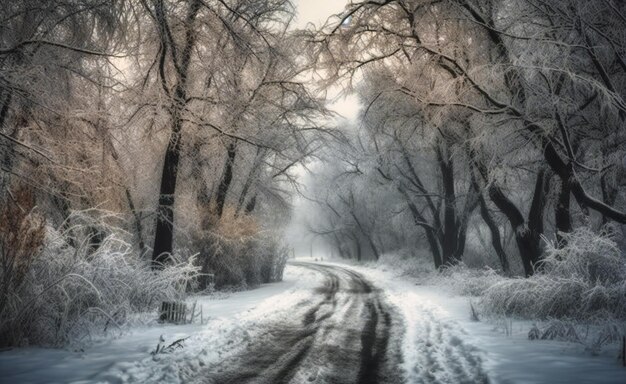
(468, 281)
(585, 279)
(242, 263)
(406, 264)
(238, 253)
(80, 281)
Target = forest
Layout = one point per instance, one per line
(156, 149)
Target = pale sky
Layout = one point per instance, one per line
(317, 12)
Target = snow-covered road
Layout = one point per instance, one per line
(348, 332)
(345, 333)
(326, 323)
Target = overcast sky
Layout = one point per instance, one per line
(317, 11)
(297, 234)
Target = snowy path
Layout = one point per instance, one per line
(347, 333)
(326, 323)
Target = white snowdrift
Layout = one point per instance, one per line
(438, 316)
(230, 323)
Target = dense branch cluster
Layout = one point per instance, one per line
(167, 124)
(165, 139)
(480, 118)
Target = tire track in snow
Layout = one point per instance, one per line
(350, 333)
(344, 336)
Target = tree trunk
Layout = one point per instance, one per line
(471, 202)
(535, 216)
(609, 194)
(431, 233)
(164, 233)
(450, 224)
(526, 235)
(251, 205)
(375, 250)
(417, 182)
(138, 224)
(4, 111)
(461, 238)
(431, 236)
(203, 196)
(8, 156)
(226, 180)
(249, 179)
(562, 215)
(357, 243)
(496, 241)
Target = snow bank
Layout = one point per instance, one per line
(78, 287)
(230, 323)
(441, 340)
(584, 280)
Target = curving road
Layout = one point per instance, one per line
(346, 334)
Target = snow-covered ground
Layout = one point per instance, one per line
(231, 321)
(440, 344)
(506, 353)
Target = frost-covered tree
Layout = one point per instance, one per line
(515, 90)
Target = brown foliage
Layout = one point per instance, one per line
(229, 226)
(22, 234)
(236, 251)
(234, 226)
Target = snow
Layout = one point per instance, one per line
(128, 358)
(506, 354)
(441, 343)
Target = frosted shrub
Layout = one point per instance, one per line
(405, 264)
(467, 281)
(74, 288)
(586, 279)
(238, 253)
(594, 335)
(244, 262)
